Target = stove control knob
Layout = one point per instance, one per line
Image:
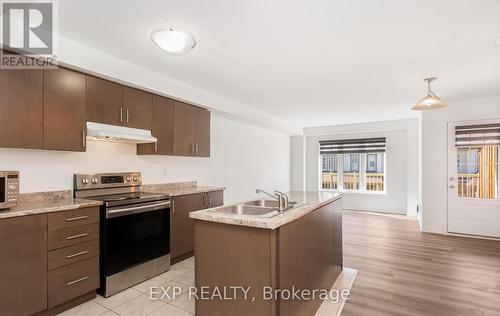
(135, 178)
(85, 180)
(94, 180)
(128, 179)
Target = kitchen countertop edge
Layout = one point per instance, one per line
(262, 222)
(43, 207)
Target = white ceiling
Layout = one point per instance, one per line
(314, 62)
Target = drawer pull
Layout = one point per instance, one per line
(77, 281)
(77, 254)
(76, 236)
(76, 218)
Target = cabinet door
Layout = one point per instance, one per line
(104, 101)
(198, 201)
(183, 129)
(201, 127)
(64, 110)
(21, 111)
(216, 198)
(138, 107)
(162, 128)
(181, 227)
(23, 267)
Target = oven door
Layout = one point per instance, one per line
(134, 234)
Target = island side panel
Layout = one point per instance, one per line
(231, 255)
(310, 256)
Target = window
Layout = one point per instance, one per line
(353, 165)
(477, 161)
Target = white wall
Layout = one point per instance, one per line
(243, 158)
(402, 164)
(435, 150)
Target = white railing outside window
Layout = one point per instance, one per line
(362, 173)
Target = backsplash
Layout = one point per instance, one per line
(44, 196)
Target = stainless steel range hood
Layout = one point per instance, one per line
(105, 132)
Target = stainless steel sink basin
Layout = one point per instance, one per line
(248, 210)
(268, 203)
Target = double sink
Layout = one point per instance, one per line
(259, 208)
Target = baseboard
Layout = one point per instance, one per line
(68, 305)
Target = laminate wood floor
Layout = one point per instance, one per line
(403, 271)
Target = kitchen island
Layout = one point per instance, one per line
(251, 264)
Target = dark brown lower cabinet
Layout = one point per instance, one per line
(182, 227)
(23, 265)
(48, 263)
(305, 253)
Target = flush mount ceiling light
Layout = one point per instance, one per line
(174, 41)
(431, 101)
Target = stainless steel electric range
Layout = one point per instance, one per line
(134, 228)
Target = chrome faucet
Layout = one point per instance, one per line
(281, 197)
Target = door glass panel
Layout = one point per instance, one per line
(2, 190)
(477, 172)
(351, 172)
(375, 172)
(329, 175)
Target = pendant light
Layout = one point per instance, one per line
(431, 101)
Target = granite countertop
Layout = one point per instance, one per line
(179, 188)
(47, 206)
(307, 201)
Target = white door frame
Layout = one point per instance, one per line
(484, 221)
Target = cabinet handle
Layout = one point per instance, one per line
(121, 114)
(156, 146)
(172, 206)
(77, 281)
(204, 200)
(197, 148)
(84, 138)
(76, 218)
(192, 149)
(76, 236)
(209, 200)
(76, 254)
(128, 115)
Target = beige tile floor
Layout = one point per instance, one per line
(136, 301)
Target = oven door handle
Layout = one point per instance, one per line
(110, 213)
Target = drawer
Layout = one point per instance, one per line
(67, 219)
(64, 256)
(74, 280)
(72, 236)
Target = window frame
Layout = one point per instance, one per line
(362, 164)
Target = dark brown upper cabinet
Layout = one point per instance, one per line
(64, 125)
(104, 101)
(138, 107)
(21, 109)
(201, 129)
(191, 130)
(162, 128)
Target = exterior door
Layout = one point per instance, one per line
(473, 178)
